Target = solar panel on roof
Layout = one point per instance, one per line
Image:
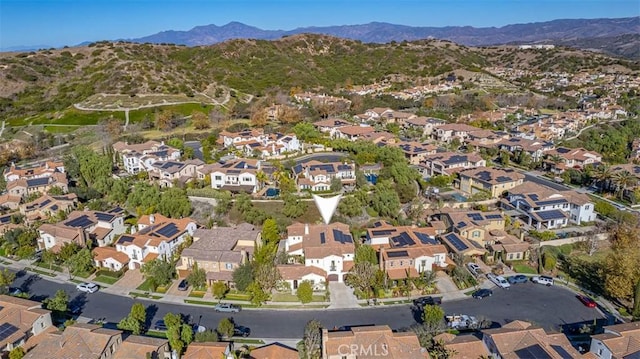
(397, 254)
(456, 242)
(341, 237)
(475, 216)
(551, 202)
(550, 215)
(493, 216)
(534, 351)
(125, 239)
(476, 244)
(533, 196)
(425, 239)
(46, 202)
(5, 219)
(403, 239)
(563, 353)
(82, 221)
(385, 232)
(502, 179)
(37, 181)
(461, 225)
(105, 217)
(168, 230)
(6, 330)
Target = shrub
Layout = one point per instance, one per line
(549, 261)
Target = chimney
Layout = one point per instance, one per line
(306, 229)
(152, 219)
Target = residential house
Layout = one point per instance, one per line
(137, 158)
(520, 339)
(473, 225)
(416, 152)
(110, 258)
(448, 163)
(376, 114)
(24, 187)
(91, 341)
(239, 175)
(157, 236)
(485, 138)
(209, 350)
(257, 143)
(460, 245)
(330, 126)
(20, 320)
(329, 247)
(294, 274)
(463, 346)
(166, 173)
(384, 234)
(45, 169)
(490, 180)
(545, 208)
(617, 341)
(571, 158)
(369, 342)
(425, 124)
(629, 191)
(220, 250)
(535, 148)
(81, 227)
(353, 133)
(274, 351)
(507, 247)
(10, 201)
(7, 223)
(46, 206)
(234, 139)
(449, 131)
(317, 176)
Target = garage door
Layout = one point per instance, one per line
(333, 277)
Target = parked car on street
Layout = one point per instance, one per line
(227, 308)
(499, 281)
(15, 291)
(520, 278)
(87, 287)
(543, 279)
(482, 293)
(429, 300)
(240, 331)
(474, 269)
(587, 301)
(160, 325)
(184, 285)
(462, 322)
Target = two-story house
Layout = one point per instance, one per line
(329, 247)
(82, 227)
(46, 169)
(257, 143)
(46, 206)
(239, 175)
(449, 131)
(491, 180)
(425, 124)
(317, 176)
(416, 152)
(24, 187)
(520, 339)
(21, 319)
(370, 342)
(330, 126)
(535, 148)
(353, 133)
(545, 208)
(137, 158)
(571, 158)
(157, 236)
(220, 251)
(473, 225)
(448, 163)
(166, 173)
(617, 341)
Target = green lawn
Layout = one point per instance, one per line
(3, 253)
(524, 268)
(292, 298)
(238, 296)
(39, 271)
(156, 333)
(200, 302)
(105, 279)
(145, 286)
(54, 267)
(61, 129)
(197, 294)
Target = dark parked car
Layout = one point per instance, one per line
(184, 285)
(422, 301)
(160, 325)
(587, 301)
(74, 309)
(240, 331)
(481, 293)
(514, 279)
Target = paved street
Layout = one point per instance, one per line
(548, 307)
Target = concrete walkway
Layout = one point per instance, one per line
(342, 297)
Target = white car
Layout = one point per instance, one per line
(543, 279)
(474, 269)
(87, 287)
(499, 281)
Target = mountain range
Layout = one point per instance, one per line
(568, 32)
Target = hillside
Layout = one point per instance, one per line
(52, 80)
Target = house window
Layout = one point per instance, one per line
(228, 265)
(218, 178)
(476, 234)
(333, 266)
(423, 263)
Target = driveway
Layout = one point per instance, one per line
(444, 283)
(342, 297)
(173, 289)
(130, 280)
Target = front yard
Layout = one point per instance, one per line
(292, 298)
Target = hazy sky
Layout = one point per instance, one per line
(69, 22)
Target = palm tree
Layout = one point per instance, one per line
(261, 177)
(603, 175)
(624, 180)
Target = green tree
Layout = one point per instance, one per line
(134, 322)
(81, 262)
(243, 276)
(158, 272)
(68, 250)
(336, 184)
(270, 232)
(306, 132)
(200, 121)
(49, 258)
(6, 278)
(17, 353)
(385, 200)
(174, 203)
(219, 290)
(207, 336)
(362, 277)
(174, 331)
(305, 292)
(226, 327)
(366, 253)
(266, 275)
(310, 345)
(198, 277)
(186, 334)
(258, 295)
(636, 302)
(350, 206)
(621, 269)
(59, 303)
(293, 206)
(433, 319)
